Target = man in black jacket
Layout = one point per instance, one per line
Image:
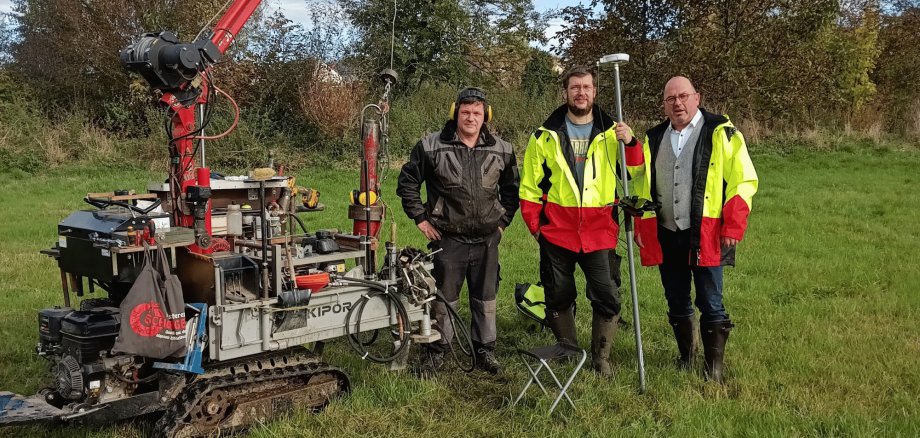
(472, 182)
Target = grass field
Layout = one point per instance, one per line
(825, 299)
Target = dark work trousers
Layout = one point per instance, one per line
(557, 273)
(615, 261)
(676, 274)
(477, 263)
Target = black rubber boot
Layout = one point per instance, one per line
(563, 326)
(686, 339)
(715, 335)
(603, 328)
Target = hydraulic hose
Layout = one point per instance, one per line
(123, 379)
(460, 328)
(299, 222)
(377, 290)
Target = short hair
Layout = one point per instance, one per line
(470, 100)
(578, 71)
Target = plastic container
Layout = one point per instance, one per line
(314, 282)
(234, 220)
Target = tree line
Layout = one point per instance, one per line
(782, 64)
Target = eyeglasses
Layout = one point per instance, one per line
(577, 88)
(671, 100)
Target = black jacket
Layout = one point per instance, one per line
(471, 191)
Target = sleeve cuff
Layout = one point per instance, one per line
(421, 218)
(634, 142)
(732, 232)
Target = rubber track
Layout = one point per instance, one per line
(172, 420)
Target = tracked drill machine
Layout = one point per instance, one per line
(256, 287)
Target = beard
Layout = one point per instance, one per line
(580, 112)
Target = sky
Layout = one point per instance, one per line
(296, 10)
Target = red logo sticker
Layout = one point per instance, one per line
(147, 319)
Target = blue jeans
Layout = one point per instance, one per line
(676, 274)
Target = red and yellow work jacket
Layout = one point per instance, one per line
(551, 202)
(724, 182)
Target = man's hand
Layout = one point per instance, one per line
(430, 232)
(728, 242)
(624, 134)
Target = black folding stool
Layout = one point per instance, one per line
(545, 355)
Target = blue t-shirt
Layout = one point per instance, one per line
(579, 140)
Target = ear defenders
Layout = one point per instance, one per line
(359, 197)
(471, 92)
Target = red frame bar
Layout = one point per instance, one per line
(184, 120)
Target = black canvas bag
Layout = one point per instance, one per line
(153, 313)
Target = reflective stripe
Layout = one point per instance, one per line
(578, 220)
(731, 183)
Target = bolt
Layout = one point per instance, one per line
(212, 408)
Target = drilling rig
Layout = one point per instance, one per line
(256, 286)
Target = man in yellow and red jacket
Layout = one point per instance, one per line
(568, 189)
(701, 173)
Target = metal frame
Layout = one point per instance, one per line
(192, 362)
(544, 364)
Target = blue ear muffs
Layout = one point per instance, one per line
(466, 93)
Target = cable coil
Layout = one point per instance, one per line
(402, 321)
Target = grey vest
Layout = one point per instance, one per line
(674, 181)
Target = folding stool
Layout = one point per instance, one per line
(545, 355)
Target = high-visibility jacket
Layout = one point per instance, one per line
(724, 182)
(551, 202)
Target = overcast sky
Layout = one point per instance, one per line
(296, 10)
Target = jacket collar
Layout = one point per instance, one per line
(710, 120)
(556, 120)
(449, 135)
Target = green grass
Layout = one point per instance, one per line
(825, 299)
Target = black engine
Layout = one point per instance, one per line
(76, 342)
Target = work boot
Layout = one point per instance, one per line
(686, 339)
(602, 330)
(486, 361)
(563, 326)
(715, 334)
(432, 363)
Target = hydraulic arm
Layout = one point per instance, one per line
(181, 71)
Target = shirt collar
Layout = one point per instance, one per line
(693, 122)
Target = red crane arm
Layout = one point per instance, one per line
(233, 20)
(183, 168)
